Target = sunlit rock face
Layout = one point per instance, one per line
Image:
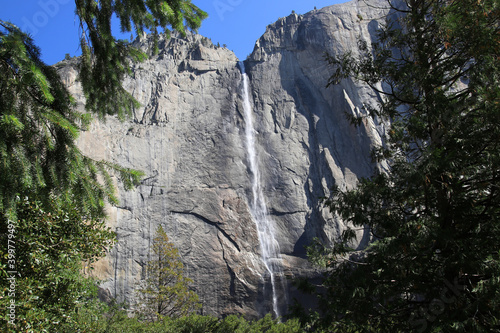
(189, 139)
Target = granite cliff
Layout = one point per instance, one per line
(189, 138)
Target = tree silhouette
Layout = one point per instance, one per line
(433, 263)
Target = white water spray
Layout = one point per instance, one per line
(265, 229)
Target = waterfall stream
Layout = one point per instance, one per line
(265, 227)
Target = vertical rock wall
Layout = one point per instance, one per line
(307, 141)
(188, 137)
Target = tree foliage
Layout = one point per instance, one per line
(117, 321)
(165, 290)
(38, 129)
(434, 262)
(105, 59)
(43, 264)
(52, 197)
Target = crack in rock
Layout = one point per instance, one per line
(215, 224)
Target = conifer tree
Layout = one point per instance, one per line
(165, 290)
(434, 263)
(38, 129)
(52, 197)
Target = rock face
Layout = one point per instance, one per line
(189, 139)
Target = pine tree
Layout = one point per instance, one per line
(52, 197)
(434, 219)
(50, 193)
(165, 290)
(38, 129)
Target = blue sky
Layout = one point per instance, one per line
(236, 23)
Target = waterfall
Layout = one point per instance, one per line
(265, 229)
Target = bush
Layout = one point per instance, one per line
(103, 319)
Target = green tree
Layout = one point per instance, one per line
(50, 192)
(165, 290)
(39, 125)
(433, 263)
(46, 249)
(48, 189)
